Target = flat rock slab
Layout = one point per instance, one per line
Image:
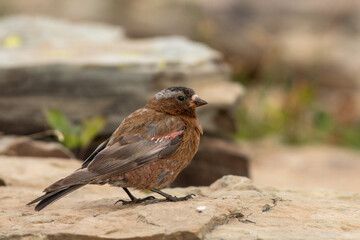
(231, 208)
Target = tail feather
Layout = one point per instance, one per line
(50, 197)
(46, 195)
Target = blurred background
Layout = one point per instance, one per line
(282, 79)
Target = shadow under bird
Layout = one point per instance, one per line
(147, 151)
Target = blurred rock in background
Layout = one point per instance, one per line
(214, 159)
(25, 146)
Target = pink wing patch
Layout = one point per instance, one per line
(171, 136)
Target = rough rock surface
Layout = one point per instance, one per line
(109, 75)
(25, 146)
(231, 208)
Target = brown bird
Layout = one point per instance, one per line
(147, 151)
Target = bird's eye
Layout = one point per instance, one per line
(180, 98)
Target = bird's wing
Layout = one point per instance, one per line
(94, 153)
(127, 152)
(123, 158)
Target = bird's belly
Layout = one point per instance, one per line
(155, 174)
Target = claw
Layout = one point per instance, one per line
(172, 199)
(123, 202)
(176, 199)
(135, 200)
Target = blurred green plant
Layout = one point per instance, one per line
(75, 136)
(283, 101)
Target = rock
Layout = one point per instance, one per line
(30, 33)
(214, 159)
(45, 64)
(32, 172)
(231, 208)
(25, 146)
(303, 167)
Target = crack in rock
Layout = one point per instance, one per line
(267, 207)
(143, 219)
(246, 220)
(217, 221)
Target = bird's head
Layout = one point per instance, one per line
(178, 101)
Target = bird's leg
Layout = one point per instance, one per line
(169, 198)
(133, 198)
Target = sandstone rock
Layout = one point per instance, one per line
(34, 172)
(25, 146)
(231, 208)
(214, 159)
(47, 65)
(59, 33)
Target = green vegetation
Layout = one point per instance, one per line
(296, 124)
(75, 136)
(285, 102)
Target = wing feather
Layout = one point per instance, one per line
(123, 158)
(128, 152)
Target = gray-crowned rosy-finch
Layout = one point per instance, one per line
(147, 151)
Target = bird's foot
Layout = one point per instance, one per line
(172, 199)
(169, 198)
(135, 200)
(178, 199)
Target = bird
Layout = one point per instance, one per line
(147, 151)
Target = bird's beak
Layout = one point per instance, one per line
(197, 102)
